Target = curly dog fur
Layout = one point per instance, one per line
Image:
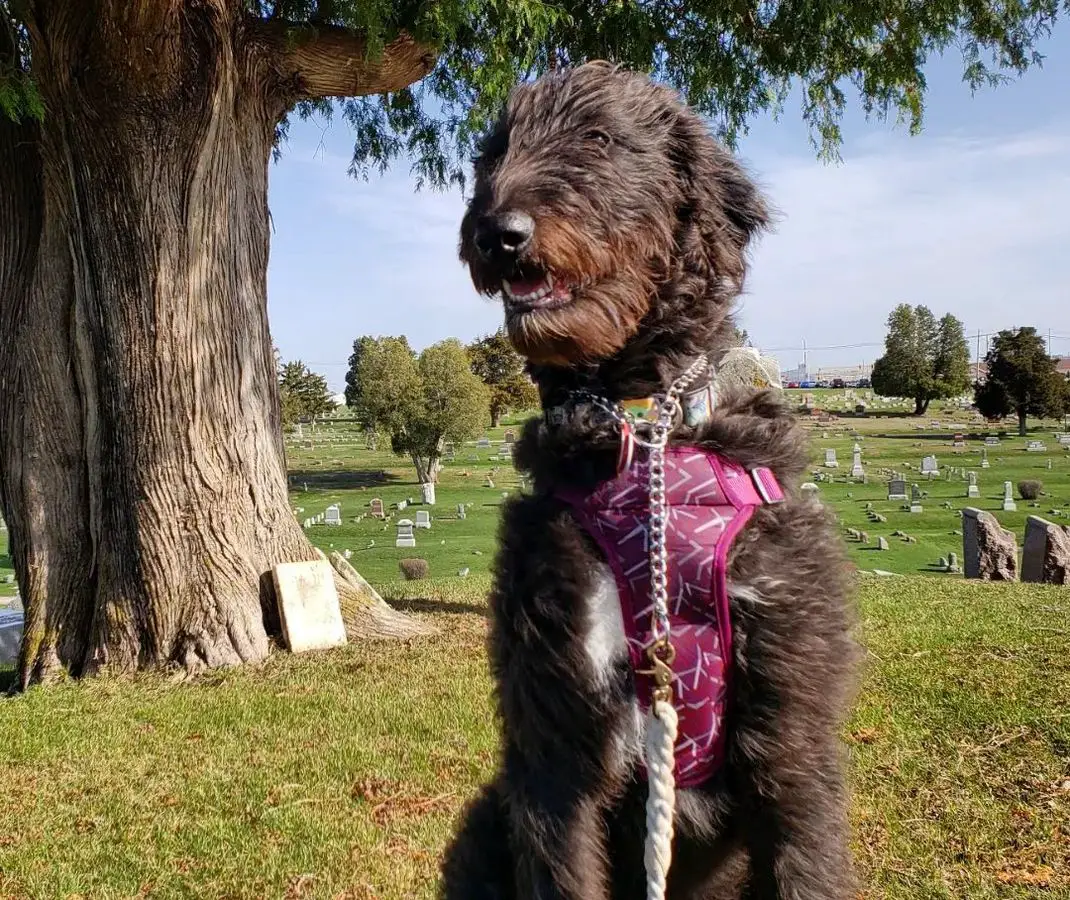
(610, 190)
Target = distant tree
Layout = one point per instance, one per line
(1021, 379)
(501, 369)
(421, 402)
(304, 393)
(923, 359)
(352, 391)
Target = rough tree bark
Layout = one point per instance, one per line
(427, 468)
(1023, 428)
(143, 470)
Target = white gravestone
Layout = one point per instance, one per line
(461, 512)
(405, 537)
(929, 466)
(1036, 447)
(308, 605)
(334, 515)
(991, 441)
(984, 458)
(972, 490)
(423, 518)
(915, 499)
(856, 464)
(1008, 498)
(830, 459)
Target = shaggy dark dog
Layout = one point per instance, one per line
(615, 229)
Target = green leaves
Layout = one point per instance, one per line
(922, 358)
(502, 370)
(304, 394)
(421, 402)
(1021, 378)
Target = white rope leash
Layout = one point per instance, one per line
(661, 722)
(661, 726)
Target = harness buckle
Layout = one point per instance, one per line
(763, 487)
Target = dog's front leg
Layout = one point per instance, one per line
(558, 834)
(797, 832)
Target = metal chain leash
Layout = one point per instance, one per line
(656, 444)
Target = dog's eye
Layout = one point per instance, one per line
(599, 137)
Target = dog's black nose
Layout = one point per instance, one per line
(504, 236)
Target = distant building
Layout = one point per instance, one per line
(800, 373)
(847, 373)
(1062, 365)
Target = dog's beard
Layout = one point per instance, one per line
(575, 299)
(592, 324)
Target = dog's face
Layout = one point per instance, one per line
(595, 190)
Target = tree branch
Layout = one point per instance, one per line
(328, 61)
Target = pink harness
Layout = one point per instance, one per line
(709, 500)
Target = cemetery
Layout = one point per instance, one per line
(411, 731)
(255, 648)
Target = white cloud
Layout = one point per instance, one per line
(976, 227)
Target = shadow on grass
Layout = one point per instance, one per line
(436, 605)
(342, 480)
(7, 681)
(5, 561)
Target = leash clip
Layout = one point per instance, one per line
(661, 655)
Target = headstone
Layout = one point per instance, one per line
(897, 489)
(984, 458)
(1008, 498)
(450, 454)
(510, 437)
(929, 466)
(1065, 440)
(403, 505)
(461, 512)
(1036, 447)
(953, 563)
(972, 490)
(809, 488)
(334, 515)
(830, 459)
(377, 508)
(308, 605)
(882, 543)
(856, 464)
(427, 493)
(405, 536)
(960, 440)
(915, 499)
(483, 443)
(1049, 465)
(989, 552)
(423, 518)
(1046, 552)
(991, 441)
(505, 451)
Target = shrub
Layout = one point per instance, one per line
(414, 569)
(804, 410)
(1030, 489)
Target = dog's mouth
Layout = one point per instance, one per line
(543, 292)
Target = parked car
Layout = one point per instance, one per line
(839, 383)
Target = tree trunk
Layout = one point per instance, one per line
(427, 468)
(921, 405)
(143, 472)
(1022, 430)
(495, 416)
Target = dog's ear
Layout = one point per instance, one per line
(721, 209)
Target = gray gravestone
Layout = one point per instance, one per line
(972, 490)
(897, 489)
(1046, 552)
(929, 466)
(882, 543)
(1008, 499)
(856, 464)
(830, 459)
(984, 458)
(405, 536)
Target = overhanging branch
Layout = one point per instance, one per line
(328, 61)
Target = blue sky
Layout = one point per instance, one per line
(971, 217)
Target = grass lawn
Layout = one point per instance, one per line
(340, 774)
(332, 466)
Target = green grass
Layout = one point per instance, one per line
(340, 774)
(336, 468)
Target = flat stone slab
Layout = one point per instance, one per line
(10, 634)
(308, 605)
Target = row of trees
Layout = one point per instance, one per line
(929, 359)
(303, 394)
